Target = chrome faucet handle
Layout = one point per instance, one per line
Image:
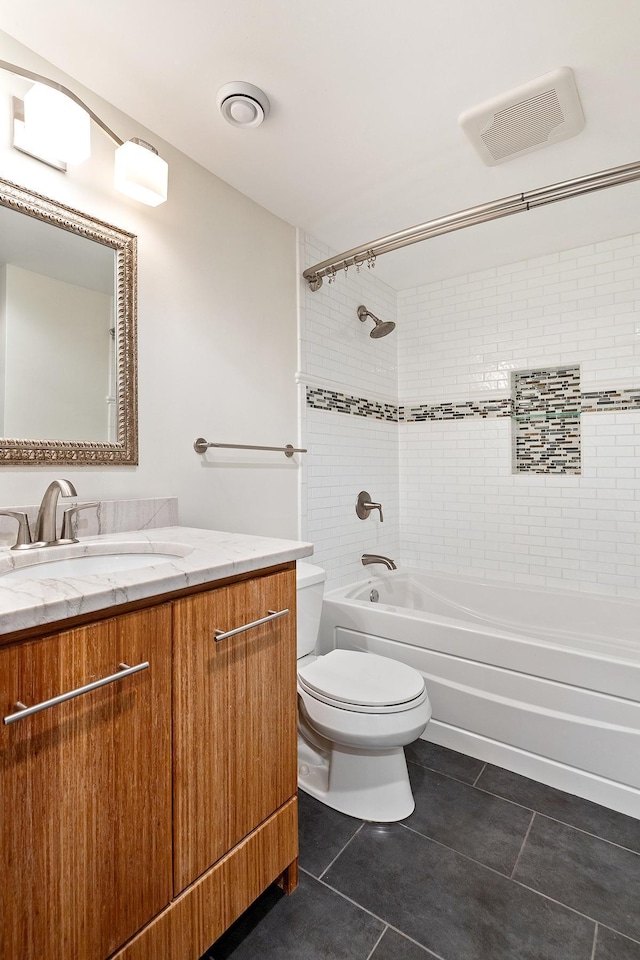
(364, 506)
(68, 535)
(24, 533)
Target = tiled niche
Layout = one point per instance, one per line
(546, 420)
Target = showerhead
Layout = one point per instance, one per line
(381, 328)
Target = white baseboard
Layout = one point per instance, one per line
(616, 796)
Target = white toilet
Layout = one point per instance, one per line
(356, 712)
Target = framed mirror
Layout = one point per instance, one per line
(68, 343)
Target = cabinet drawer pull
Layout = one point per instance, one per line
(123, 671)
(219, 635)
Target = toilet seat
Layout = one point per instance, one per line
(362, 682)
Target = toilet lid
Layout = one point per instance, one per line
(361, 679)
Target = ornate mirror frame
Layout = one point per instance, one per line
(124, 450)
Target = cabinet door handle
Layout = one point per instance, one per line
(123, 671)
(219, 635)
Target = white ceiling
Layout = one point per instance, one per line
(362, 139)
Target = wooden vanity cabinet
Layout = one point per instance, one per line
(85, 796)
(234, 711)
(140, 819)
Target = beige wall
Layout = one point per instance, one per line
(216, 327)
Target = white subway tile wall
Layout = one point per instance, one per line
(464, 511)
(461, 508)
(335, 346)
(348, 454)
(461, 337)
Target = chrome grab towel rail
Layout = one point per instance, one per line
(201, 446)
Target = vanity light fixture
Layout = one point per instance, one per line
(53, 125)
(140, 173)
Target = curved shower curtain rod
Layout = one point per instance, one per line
(517, 203)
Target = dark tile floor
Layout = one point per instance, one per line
(490, 866)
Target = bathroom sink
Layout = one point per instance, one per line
(87, 565)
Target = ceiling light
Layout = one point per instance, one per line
(242, 104)
(140, 173)
(55, 125)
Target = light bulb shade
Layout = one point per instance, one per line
(59, 127)
(140, 173)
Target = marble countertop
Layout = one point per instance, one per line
(198, 556)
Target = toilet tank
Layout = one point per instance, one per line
(309, 588)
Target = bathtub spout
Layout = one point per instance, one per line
(368, 558)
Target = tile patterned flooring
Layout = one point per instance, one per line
(490, 866)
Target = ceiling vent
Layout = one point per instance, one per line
(527, 118)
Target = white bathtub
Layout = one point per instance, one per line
(543, 682)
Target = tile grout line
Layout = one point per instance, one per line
(596, 923)
(526, 837)
(568, 907)
(389, 926)
(525, 886)
(466, 856)
(377, 943)
(466, 783)
(595, 943)
(450, 776)
(523, 806)
(519, 883)
(484, 767)
(340, 851)
(613, 930)
(564, 823)
(497, 796)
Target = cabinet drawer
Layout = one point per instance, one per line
(234, 714)
(203, 912)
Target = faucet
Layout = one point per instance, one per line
(46, 522)
(364, 506)
(46, 535)
(368, 558)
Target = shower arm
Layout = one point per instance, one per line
(495, 210)
(363, 313)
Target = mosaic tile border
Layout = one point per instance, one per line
(321, 399)
(455, 411)
(598, 400)
(591, 401)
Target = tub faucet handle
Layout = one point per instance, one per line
(364, 506)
